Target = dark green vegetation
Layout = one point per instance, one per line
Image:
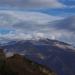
(19, 65)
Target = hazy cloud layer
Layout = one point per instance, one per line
(67, 24)
(32, 3)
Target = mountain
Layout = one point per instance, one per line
(54, 54)
(19, 65)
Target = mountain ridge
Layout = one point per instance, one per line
(57, 55)
(19, 65)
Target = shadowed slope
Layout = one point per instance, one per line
(19, 65)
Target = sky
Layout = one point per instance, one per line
(28, 19)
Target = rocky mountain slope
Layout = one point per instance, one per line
(57, 55)
(19, 65)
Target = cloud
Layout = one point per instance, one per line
(25, 24)
(64, 36)
(33, 3)
(34, 25)
(67, 24)
(14, 18)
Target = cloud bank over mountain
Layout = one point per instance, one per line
(29, 25)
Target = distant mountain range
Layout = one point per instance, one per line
(57, 55)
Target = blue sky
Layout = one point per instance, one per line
(22, 19)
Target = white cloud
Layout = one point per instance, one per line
(52, 34)
(9, 18)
